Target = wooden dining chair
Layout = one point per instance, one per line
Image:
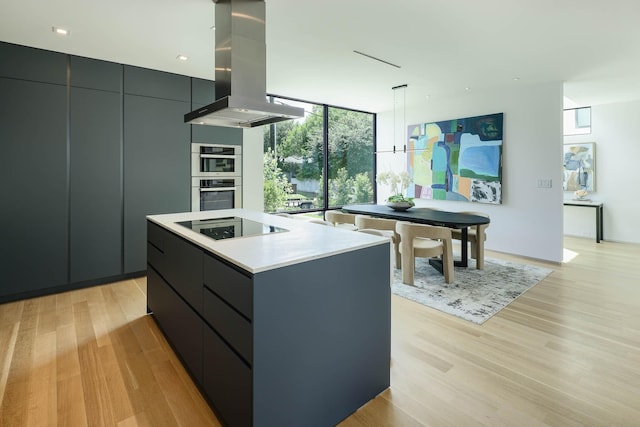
(424, 241)
(385, 227)
(392, 253)
(476, 236)
(341, 219)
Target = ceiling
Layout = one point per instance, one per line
(442, 47)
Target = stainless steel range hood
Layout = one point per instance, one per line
(241, 70)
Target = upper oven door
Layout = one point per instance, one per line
(215, 160)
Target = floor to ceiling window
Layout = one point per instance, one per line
(324, 160)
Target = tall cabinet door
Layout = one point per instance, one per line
(96, 169)
(33, 174)
(157, 154)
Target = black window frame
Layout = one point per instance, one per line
(325, 147)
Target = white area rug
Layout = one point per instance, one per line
(475, 295)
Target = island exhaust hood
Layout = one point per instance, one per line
(241, 70)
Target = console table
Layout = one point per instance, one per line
(598, 207)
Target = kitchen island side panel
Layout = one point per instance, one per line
(322, 338)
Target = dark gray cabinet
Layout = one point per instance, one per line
(227, 381)
(33, 184)
(179, 262)
(156, 84)
(204, 320)
(94, 74)
(216, 135)
(174, 286)
(157, 176)
(27, 63)
(277, 350)
(203, 92)
(89, 148)
(178, 321)
(95, 170)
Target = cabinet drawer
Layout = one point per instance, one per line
(155, 235)
(183, 269)
(178, 262)
(227, 381)
(232, 286)
(155, 257)
(179, 323)
(234, 328)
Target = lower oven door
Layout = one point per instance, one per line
(208, 197)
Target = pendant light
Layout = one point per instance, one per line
(404, 104)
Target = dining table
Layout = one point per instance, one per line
(426, 215)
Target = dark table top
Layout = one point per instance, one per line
(419, 215)
(586, 202)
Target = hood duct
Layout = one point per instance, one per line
(241, 70)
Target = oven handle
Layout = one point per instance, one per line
(204, 190)
(218, 156)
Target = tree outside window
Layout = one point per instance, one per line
(342, 137)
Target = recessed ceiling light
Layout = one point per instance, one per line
(182, 57)
(60, 31)
(515, 79)
(427, 96)
(467, 88)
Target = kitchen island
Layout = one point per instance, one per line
(279, 321)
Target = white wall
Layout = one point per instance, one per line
(614, 130)
(529, 221)
(252, 169)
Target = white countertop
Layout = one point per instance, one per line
(303, 242)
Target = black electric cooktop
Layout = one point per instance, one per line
(230, 227)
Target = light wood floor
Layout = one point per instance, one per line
(567, 353)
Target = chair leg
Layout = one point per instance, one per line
(447, 262)
(398, 257)
(480, 237)
(480, 256)
(408, 265)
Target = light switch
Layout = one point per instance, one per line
(544, 183)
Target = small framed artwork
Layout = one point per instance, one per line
(579, 164)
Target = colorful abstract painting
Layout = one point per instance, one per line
(579, 162)
(457, 159)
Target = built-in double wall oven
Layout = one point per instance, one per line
(216, 177)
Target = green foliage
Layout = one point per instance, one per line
(320, 196)
(344, 190)
(300, 153)
(397, 198)
(340, 188)
(350, 142)
(363, 189)
(276, 186)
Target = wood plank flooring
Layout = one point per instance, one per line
(566, 353)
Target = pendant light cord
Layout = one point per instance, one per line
(395, 132)
(404, 115)
(404, 118)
